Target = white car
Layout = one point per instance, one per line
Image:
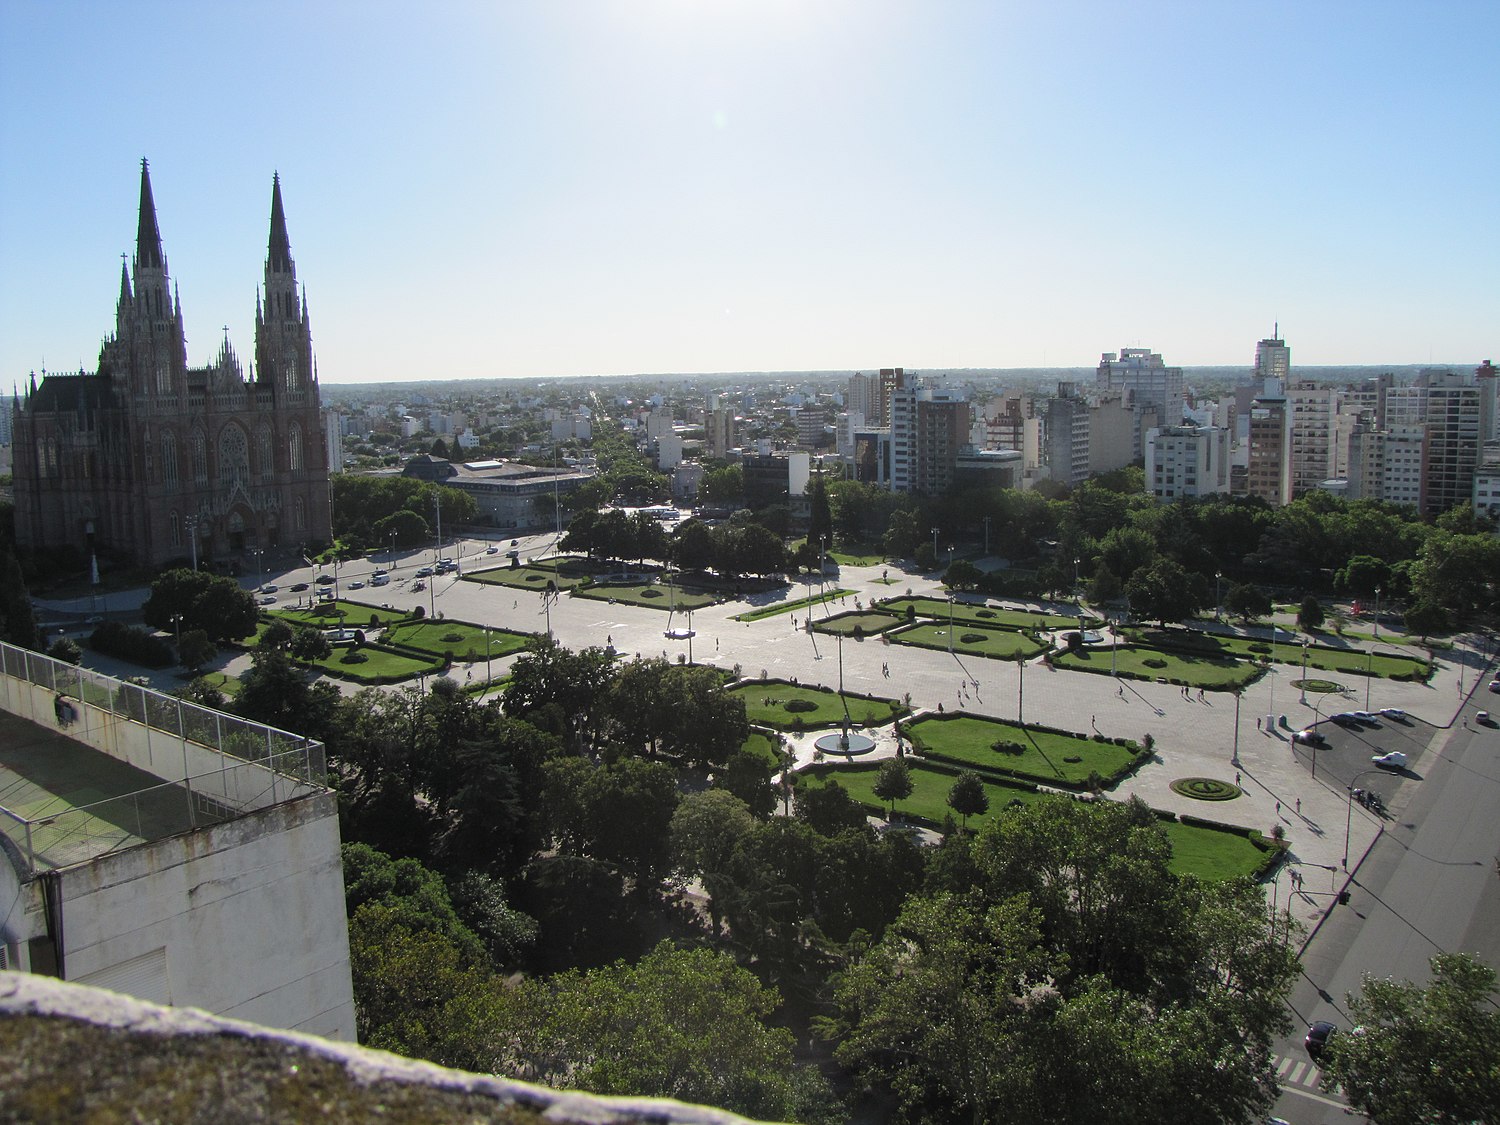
(1310, 736)
(492, 550)
(1495, 685)
(1393, 712)
(268, 588)
(1366, 716)
(267, 599)
(1395, 760)
(356, 585)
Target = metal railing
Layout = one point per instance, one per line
(224, 764)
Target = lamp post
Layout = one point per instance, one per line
(1369, 674)
(1305, 645)
(950, 626)
(1021, 691)
(487, 674)
(1218, 595)
(392, 538)
(191, 523)
(934, 546)
(1114, 646)
(1349, 812)
(1377, 613)
(177, 625)
(1234, 755)
(986, 536)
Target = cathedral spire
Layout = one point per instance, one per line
(124, 283)
(147, 236)
(279, 254)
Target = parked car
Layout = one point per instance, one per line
(492, 549)
(1317, 1038)
(1483, 718)
(325, 580)
(356, 585)
(298, 587)
(1394, 759)
(1310, 736)
(1495, 685)
(267, 599)
(1393, 712)
(380, 579)
(424, 572)
(1366, 716)
(268, 588)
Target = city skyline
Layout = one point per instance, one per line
(613, 188)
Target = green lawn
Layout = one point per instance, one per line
(846, 623)
(760, 613)
(929, 794)
(1211, 854)
(968, 739)
(995, 642)
(992, 617)
(765, 704)
(336, 615)
(565, 573)
(1320, 657)
(763, 746)
(229, 685)
(654, 595)
(378, 664)
(1216, 674)
(1208, 853)
(456, 639)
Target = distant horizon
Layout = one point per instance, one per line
(552, 191)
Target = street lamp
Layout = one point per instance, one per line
(1305, 644)
(1021, 691)
(1218, 595)
(1377, 613)
(1369, 674)
(1234, 755)
(934, 546)
(986, 536)
(950, 626)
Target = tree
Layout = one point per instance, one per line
(1311, 615)
(967, 797)
(204, 601)
(1163, 591)
(820, 514)
(1426, 618)
(65, 649)
(310, 645)
(560, 690)
(748, 776)
(893, 782)
(706, 829)
(693, 545)
(1247, 601)
(195, 650)
(1422, 1056)
(276, 692)
(962, 575)
(828, 809)
(618, 813)
(686, 1024)
(17, 618)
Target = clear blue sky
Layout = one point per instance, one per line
(569, 188)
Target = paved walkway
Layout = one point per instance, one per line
(1193, 737)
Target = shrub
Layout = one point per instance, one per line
(353, 656)
(1260, 648)
(1006, 746)
(802, 705)
(452, 638)
(973, 638)
(131, 643)
(985, 613)
(858, 631)
(1154, 662)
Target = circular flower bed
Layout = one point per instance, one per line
(1324, 686)
(1206, 789)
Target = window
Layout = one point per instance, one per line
(294, 448)
(299, 515)
(169, 458)
(234, 458)
(200, 457)
(176, 530)
(265, 454)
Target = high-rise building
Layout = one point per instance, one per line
(1402, 465)
(1186, 461)
(1153, 386)
(1273, 360)
(719, 427)
(862, 395)
(928, 427)
(1313, 446)
(152, 460)
(1269, 473)
(1453, 438)
(1065, 436)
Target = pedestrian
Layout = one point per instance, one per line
(1257, 722)
(1120, 691)
(1278, 808)
(1236, 777)
(1299, 806)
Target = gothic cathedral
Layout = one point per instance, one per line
(151, 460)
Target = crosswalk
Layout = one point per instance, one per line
(1297, 1072)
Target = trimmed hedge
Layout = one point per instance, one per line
(128, 642)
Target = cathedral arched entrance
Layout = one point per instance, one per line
(234, 529)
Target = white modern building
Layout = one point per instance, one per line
(1186, 461)
(1153, 385)
(168, 851)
